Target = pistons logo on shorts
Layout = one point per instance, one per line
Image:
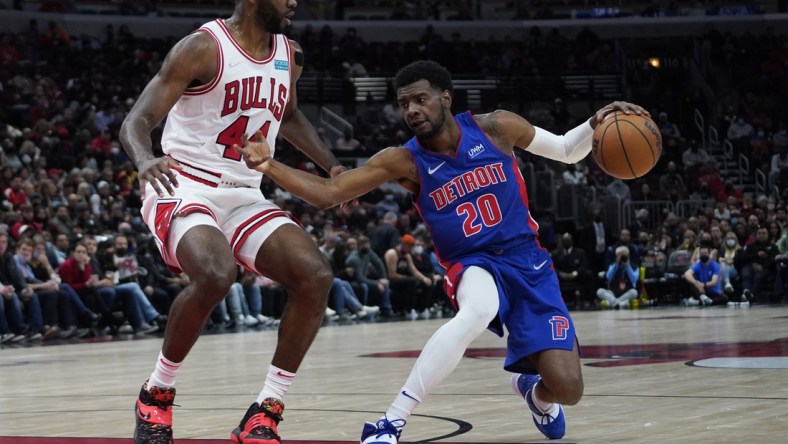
(560, 325)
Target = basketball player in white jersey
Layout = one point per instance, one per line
(228, 79)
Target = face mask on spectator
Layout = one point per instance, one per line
(121, 251)
(704, 259)
(418, 249)
(363, 250)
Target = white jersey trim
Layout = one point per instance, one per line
(243, 52)
(202, 89)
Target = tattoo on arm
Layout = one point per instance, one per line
(411, 165)
(493, 128)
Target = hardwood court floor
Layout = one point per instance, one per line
(660, 375)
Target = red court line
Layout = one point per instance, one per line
(41, 440)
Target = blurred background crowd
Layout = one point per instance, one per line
(77, 261)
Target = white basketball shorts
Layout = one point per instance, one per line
(242, 214)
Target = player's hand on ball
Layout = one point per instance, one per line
(625, 107)
(254, 152)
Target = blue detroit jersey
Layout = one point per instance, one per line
(475, 200)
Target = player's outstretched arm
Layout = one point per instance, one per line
(389, 164)
(571, 147)
(193, 59)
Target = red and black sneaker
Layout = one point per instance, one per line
(153, 412)
(259, 423)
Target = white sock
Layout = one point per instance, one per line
(545, 407)
(276, 384)
(405, 403)
(478, 299)
(164, 374)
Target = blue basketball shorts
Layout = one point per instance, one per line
(530, 303)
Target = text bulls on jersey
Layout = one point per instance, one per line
(253, 92)
(465, 183)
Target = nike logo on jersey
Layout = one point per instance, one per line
(232, 64)
(432, 170)
(539, 267)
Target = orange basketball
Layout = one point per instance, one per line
(627, 146)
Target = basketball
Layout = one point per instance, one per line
(627, 146)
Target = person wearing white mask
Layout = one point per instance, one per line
(726, 254)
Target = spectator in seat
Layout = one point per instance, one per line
(12, 323)
(595, 239)
(640, 222)
(132, 298)
(411, 291)
(672, 183)
(53, 300)
(388, 204)
(15, 195)
(727, 254)
(704, 280)
(624, 239)
(755, 263)
(31, 257)
(369, 271)
(779, 164)
(739, 132)
(705, 239)
(572, 176)
(695, 156)
(571, 265)
(385, 236)
(129, 273)
(27, 221)
(11, 279)
(668, 129)
(622, 280)
(422, 260)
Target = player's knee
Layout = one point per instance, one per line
(320, 276)
(569, 389)
(324, 278)
(477, 317)
(215, 280)
(313, 281)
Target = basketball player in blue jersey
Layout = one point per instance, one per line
(464, 176)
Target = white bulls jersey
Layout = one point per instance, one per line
(245, 95)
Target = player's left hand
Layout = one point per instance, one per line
(255, 152)
(625, 107)
(345, 206)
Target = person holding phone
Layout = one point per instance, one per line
(621, 280)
